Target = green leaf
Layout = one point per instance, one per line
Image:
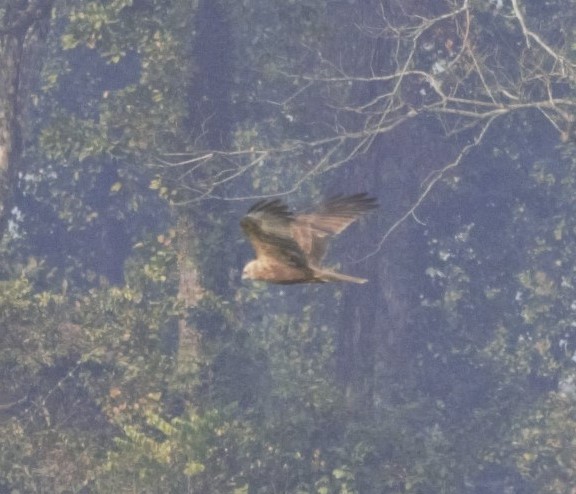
(194, 468)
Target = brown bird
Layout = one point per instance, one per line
(289, 247)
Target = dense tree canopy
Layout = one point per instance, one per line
(134, 135)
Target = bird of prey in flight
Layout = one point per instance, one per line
(290, 246)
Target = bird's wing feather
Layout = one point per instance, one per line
(267, 226)
(313, 230)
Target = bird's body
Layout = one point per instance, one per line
(290, 247)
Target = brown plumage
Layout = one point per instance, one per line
(289, 247)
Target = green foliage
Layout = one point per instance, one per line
(75, 370)
(543, 445)
(112, 94)
(504, 280)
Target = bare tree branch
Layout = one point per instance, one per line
(428, 186)
(448, 66)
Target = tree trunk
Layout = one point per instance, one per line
(10, 134)
(189, 293)
(15, 27)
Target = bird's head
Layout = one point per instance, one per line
(249, 272)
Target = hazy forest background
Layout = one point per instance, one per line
(134, 134)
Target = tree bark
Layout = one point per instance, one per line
(15, 26)
(10, 133)
(190, 293)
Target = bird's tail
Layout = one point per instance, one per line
(327, 275)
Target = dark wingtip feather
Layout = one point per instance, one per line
(271, 206)
(356, 203)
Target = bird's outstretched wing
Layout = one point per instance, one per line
(313, 230)
(268, 227)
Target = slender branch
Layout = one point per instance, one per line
(428, 186)
(528, 35)
(460, 80)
